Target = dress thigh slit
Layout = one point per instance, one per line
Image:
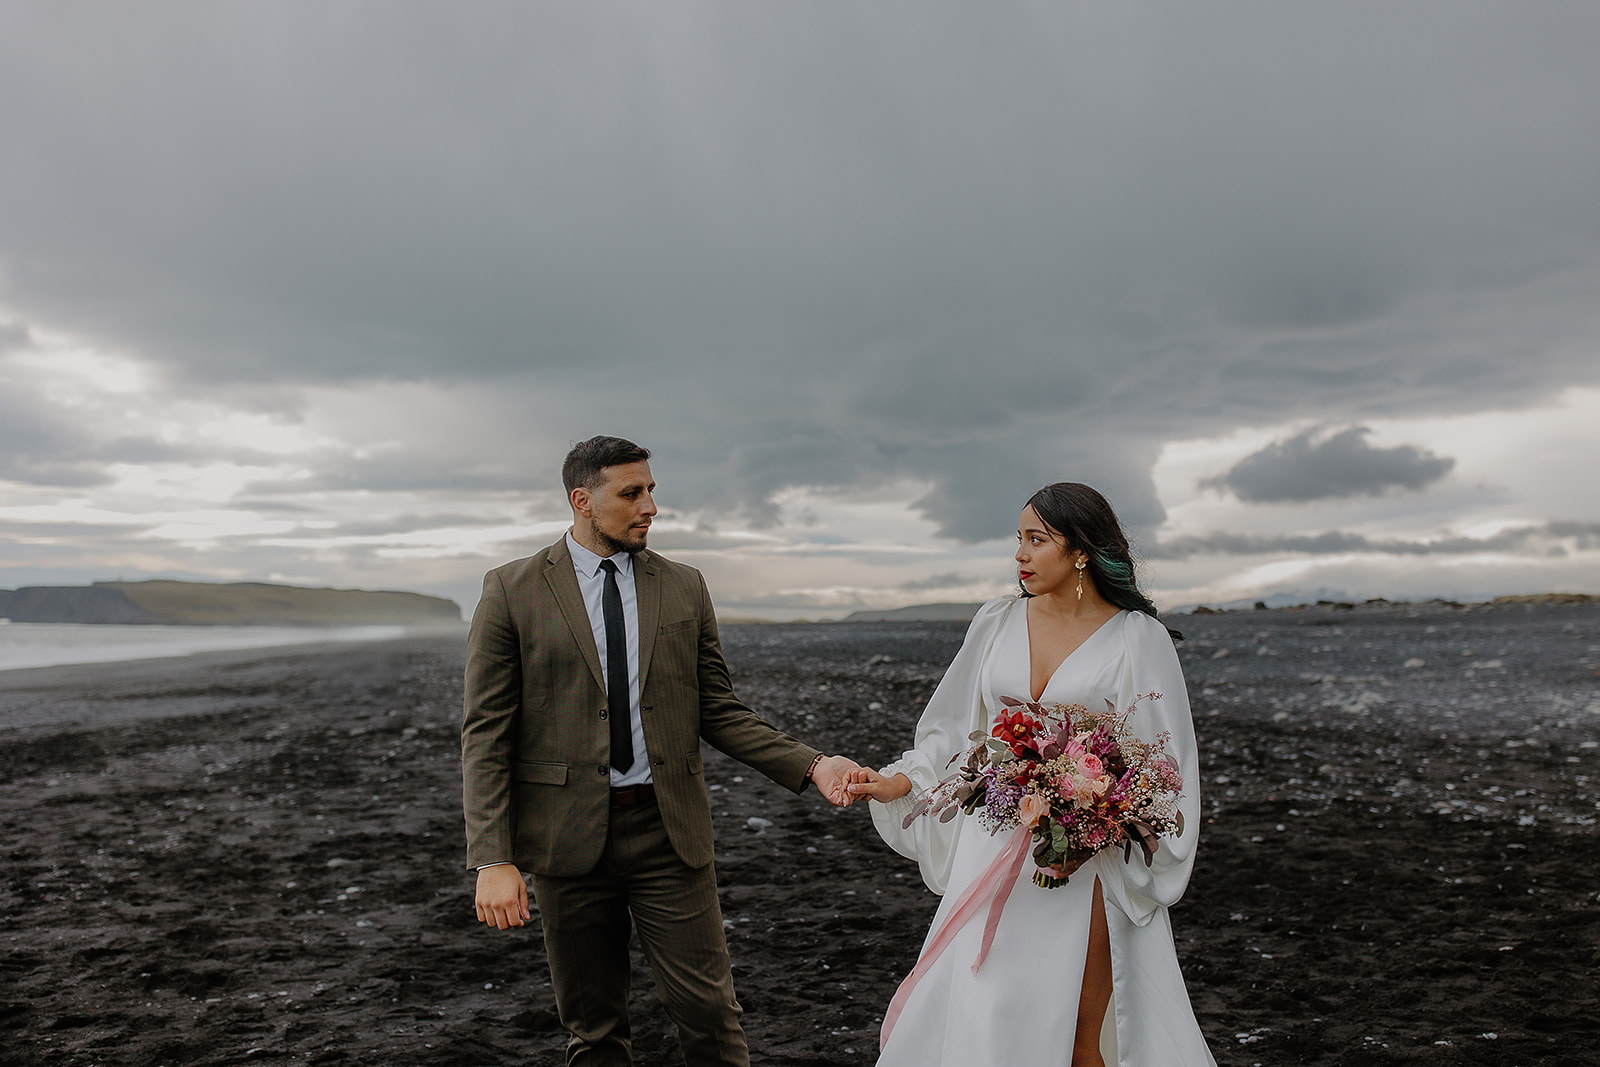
(1096, 989)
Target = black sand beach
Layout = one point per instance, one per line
(257, 858)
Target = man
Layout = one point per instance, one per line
(593, 671)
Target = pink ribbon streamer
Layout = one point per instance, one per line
(993, 886)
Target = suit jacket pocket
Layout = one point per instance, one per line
(695, 767)
(676, 627)
(542, 773)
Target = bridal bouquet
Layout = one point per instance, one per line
(1079, 780)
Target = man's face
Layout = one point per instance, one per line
(621, 507)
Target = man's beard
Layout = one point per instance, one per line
(618, 545)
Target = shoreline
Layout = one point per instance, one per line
(88, 696)
(285, 639)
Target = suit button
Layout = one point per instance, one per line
(602, 713)
(604, 769)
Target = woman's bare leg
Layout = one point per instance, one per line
(1096, 994)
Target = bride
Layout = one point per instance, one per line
(1089, 966)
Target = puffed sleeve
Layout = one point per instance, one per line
(954, 711)
(1151, 665)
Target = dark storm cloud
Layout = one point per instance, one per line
(410, 472)
(155, 450)
(1315, 465)
(13, 337)
(40, 532)
(402, 524)
(27, 427)
(817, 244)
(43, 445)
(981, 487)
(38, 447)
(1550, 539)
(64, 474)
(271, 506)
(698, 540)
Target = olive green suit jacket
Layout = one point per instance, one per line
(535, 747)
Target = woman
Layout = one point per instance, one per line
(1089, 966)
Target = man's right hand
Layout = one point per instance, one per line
(502, 900)
(866, 782)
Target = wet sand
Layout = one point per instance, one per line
(256, 858)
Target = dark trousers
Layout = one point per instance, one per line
(640, 882)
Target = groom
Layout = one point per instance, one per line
(593, 672)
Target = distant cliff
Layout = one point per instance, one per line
(918, 613)
(235, 604)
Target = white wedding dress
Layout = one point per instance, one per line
(1022, 1004)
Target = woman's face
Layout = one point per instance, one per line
(1043, 563)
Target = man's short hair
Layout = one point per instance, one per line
(588, 459)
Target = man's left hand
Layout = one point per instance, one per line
(831, 776)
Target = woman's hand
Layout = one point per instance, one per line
(1146, 838)
(1066, 869)
(866, 782)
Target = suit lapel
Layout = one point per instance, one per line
(563, 583)
(647, 590)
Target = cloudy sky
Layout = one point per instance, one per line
(321, 292)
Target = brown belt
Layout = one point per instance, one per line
(629, 795)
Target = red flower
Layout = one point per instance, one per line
(1016, 728)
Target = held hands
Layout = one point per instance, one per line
(830, 776)
(866, 782)
(502, 899)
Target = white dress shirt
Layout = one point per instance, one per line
(592, 583)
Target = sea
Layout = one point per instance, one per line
(40, 644)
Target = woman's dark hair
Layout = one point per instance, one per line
(1084, 519)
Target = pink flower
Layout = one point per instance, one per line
(1031, 809)
(1082, 790)
(1090, 766)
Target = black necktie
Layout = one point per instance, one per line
(617, 703)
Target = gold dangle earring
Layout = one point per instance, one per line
(1081, 566)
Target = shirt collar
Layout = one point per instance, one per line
(587, 563)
